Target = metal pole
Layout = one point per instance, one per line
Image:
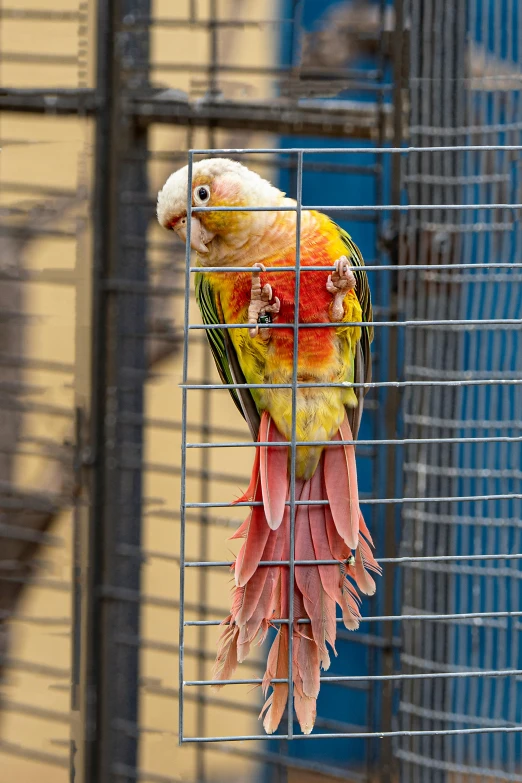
(391, 399)
(105, 685)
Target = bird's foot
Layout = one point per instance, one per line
(261, 305)
(338, 284)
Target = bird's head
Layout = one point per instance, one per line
(218, 182)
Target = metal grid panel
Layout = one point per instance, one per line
(440, 498)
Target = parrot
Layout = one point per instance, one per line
(339, 354)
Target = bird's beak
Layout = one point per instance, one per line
(199, 235)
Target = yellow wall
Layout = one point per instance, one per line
(59, 156)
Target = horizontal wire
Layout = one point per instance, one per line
(365, 207)
(348, 385)
(348, 324)
(370, 501)
(370, 677)
(362, 734)
(376, 442)
(383, 618)
(366, 268)
(419, 559)
(357, 150)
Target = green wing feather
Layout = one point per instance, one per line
(362, 370)
(363, 289)
(365, 300)
(215, 337)
(224, 354)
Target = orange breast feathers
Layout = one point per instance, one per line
(317, 347)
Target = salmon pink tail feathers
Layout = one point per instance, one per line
(333, 529)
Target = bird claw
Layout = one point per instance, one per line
(260, 303)
(339, 282)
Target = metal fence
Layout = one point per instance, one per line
(463, 415)
(421, 100)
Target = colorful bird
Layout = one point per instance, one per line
(257, 354)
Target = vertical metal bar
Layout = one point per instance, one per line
(206, 400)
(106, 691)
(381, 292)
(204, 496)
(512, 590)
(399, 63)
(293, 448)
(390, 402)
(89, 380)
(206, 431)
(186, 336)
(89, 393)
(125, 375)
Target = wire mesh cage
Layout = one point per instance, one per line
(401, 121)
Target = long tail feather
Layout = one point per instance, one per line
(252, 550)
(350, 605)
(364, 530)
(321, 539)
(276, 668)
(273, 471)
(341, 487)
(318, 605)
(365, 582)
(336, 531)
(263, 580)
(306, 680)
(226, 660)
(251, 489)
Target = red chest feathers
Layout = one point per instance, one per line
(315, 345)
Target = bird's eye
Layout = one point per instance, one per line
(201, 194)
